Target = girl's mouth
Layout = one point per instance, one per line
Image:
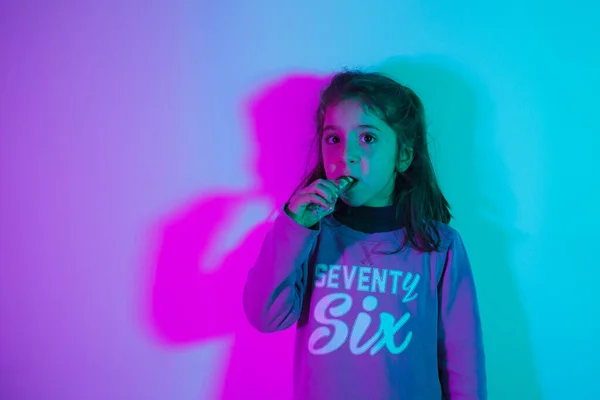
(352, 184)
(346, 183)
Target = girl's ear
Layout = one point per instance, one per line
(405, 158)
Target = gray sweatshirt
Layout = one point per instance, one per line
(372, 322)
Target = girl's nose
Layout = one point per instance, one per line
(350, 154)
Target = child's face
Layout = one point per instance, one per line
(357, 143)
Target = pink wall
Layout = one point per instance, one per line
(89, 115)
(104, 292)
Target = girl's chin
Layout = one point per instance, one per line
(349, 201)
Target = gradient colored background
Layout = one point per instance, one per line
(142, 145)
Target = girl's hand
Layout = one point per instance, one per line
(311, 204)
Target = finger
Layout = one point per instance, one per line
(328, 187)
(314, 198)
(324, 193)
(329, 184)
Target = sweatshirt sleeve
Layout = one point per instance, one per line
(276, 284)
(460, 345)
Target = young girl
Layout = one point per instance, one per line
(379, 285)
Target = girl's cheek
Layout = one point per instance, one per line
(331, 168)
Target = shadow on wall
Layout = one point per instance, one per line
(194, 291)
(190, 301)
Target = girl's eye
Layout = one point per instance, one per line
(332, 139)
(368, 138)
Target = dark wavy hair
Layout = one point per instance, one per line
(418, 198)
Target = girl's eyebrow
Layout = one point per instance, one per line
(335, 128)
(369, 127)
